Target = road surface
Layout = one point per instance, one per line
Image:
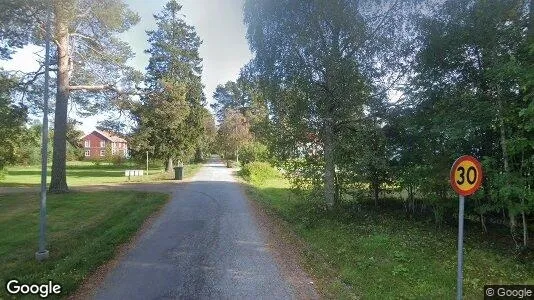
(204, 245)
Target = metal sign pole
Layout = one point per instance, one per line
(42, 254)
(460, 276)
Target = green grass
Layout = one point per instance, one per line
(359, 253)
(84, 230)
(86, 173)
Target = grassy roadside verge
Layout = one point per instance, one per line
(85, 173)
(84, 231)
(360, 253)
(191, 170)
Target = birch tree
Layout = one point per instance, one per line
(321, 62)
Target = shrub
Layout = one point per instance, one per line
(118, 160)
(258, 172)
(73, 153)
(253, 152)
(231, 164)
(96, 161)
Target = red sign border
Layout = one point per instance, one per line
(453, 177)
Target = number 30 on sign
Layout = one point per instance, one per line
(466, 175)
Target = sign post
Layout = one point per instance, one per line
(465, 178)
(460, 274)
(42, 253)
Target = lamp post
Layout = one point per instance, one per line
(42, 253)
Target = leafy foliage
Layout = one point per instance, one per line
(12, 130)
(377, 98)
(259, 172)
(234, 133)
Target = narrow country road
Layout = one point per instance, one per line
(204, 245)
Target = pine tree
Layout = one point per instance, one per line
(170, 116)
(88, 58)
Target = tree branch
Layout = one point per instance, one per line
(92, 88)
(83, 36)
(374, 31)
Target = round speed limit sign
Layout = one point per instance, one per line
(466, 175)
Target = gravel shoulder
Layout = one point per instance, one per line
(286, 248)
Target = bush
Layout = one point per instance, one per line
(118, 160)
(258, 172)
(231, 164)
(253, 152)
(96, 161)
(73, 153)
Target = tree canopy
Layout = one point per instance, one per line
(170, 117)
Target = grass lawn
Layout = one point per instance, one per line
(84, 230)
(86, 173)
(370, 255)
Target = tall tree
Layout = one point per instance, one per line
(466, 94)
(321, 61)
(89, 57)
(207, 138)
(233, 133)
(170, 115)
(12, 120)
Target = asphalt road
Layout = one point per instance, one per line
(205, 245)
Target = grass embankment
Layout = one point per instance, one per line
(84, 231)
(361, 253)
(87, 173)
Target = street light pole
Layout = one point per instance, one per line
(42, 254)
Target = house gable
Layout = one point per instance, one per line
(96, 142)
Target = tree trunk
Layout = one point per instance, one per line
(483, 223)
(512, 227)
(170, 165)
(376, 191)
(525, 228)
(330, 168)
(338, 186)
(505, 160)
(503, 140)
(523, 215)
(58, 183)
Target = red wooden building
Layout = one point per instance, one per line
(95, 144)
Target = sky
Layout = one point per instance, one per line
(219, 23)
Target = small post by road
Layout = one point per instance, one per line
(465, 178)
(460, 275)
(42, 253)
(147, 163)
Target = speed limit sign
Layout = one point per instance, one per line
(466, 175)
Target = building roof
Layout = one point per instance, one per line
(109, 136)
